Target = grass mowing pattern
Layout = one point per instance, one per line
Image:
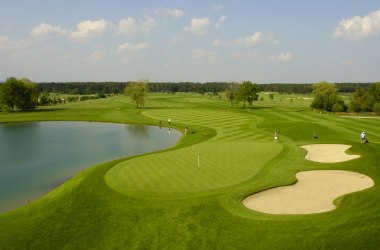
(85, 213)
(177, 172)
(231, 157)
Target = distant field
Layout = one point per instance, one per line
(164, 200)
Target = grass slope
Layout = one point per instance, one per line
(163, 200)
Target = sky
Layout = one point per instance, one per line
(271, 41)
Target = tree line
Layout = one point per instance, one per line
(22, 94)
(86, 88)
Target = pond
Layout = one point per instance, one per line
(37, 157)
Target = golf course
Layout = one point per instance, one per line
(200, 193)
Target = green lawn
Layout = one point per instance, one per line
(163, 200)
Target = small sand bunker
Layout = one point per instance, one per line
(328, 153)
(314, 192)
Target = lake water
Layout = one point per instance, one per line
(37, 157)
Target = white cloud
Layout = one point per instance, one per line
(127, 26)
(147, 25)
(220, 22)
(284, 57)
(12, 44)
(97, 55)
(255, 38)
(130, 26)
(89, 29)
(211, 56)
(44, 29)
(198, 26)
(357, 27)
(218, 7)
(172, 13)
(130, 47)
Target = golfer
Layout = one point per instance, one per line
(362, 137)
(275, 136)
(169, 120)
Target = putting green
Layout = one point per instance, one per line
(177, 172)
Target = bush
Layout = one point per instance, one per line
(376, 108)
(337, 108)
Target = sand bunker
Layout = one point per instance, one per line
(314, 192)
(328, 153)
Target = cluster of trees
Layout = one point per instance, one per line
(326, 97)
(245, 92)
(18, 93)
(366, 100)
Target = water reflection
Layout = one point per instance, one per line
(36, 157)
(138, 130)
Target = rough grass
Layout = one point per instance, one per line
(163, 200)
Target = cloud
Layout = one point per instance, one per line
(220, 22)
(89, 29)
(211, 56)
(284, 57)
(44, 29)
(97, 55)
(130, 26)
(130, 47)
(198, 26)
(127, 26)
(255, 38)
(357, 27)
(218, 7)
(13, 44)
(172, 13)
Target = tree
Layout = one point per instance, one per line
(231, 90)
(28, 95)
(361, 101)
(18, 93)
(326, 96)
(137, 91)
(247, 92)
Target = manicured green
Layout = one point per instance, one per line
(163, 200)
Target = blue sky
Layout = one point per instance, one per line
(171, 40)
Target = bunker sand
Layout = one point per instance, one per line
(328, 153)
(314, 192)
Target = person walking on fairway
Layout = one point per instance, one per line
(169, 120)
(275, 136)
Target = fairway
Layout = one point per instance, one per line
(190, 196)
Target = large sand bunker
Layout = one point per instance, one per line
(328, 153)
(316, 190)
